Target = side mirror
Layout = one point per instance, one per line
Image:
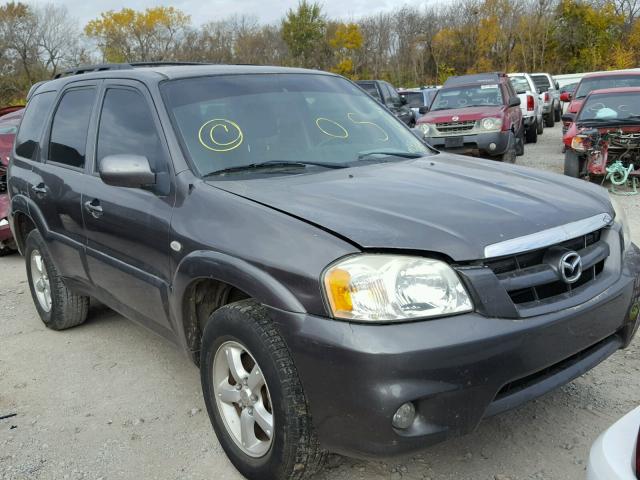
(514, 102)
(565, 97)
(132, 171)
(568, 117)
(403, 100)
(422, 110)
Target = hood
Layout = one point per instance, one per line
(575, 105)
(444, 203)
(463, 114)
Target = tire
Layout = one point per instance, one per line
(66, 309)
(558, 113)
(549, 120)
(520, 143)
(293, 452)
(509, 156)
(540, 126)
(571, 164)
(532, 134)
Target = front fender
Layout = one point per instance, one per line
(203, 264)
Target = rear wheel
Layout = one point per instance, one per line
(540, 126)
(57, 306)
(558, 113)
(520, 143)
(549, 120)
(571, 164)
(254, 396)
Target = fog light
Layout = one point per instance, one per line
(404, 416)
(492, 146)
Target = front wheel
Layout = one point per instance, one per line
(571, 164)
(532, 133)
(509, 155)
(540, 126)
(558, 113)
(254, 396)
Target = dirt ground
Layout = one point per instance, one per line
(109, 400)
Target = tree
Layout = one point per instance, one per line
(346, 39)
(303, 30)
(129, 35)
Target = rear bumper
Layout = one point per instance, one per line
(479, 143)
(456, 370)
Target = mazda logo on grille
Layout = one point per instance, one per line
(570, 267)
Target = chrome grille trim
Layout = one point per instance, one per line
(546, 238)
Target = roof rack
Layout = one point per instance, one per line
(101, 67)
(493, 77)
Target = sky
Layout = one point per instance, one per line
(202, 11)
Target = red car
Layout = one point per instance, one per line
(476, 114)
(596, 81)
(605, 129)
(9, 121)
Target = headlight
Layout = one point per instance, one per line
(491, 124)
(428, 129)
(371, 287)
(578, 143)
(621, 219)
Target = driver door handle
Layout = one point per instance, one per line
(40, 189)
(94, 208)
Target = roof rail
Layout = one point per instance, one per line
(101, 67)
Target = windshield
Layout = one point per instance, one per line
(541, 82)
(469, 96)
(587, 85)
(520, 84)
(607, 106)
(414, 99)
(230, 121)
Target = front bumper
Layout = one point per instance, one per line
(457, 370)
(477, 143)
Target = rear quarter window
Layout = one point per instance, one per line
(32, 125)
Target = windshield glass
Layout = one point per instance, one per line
(587, 85)
(541, 82)
(520, 84)
(608, 106)
(229, 121)
(414, 99)
(469, 96)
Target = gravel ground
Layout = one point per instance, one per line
(108, 400)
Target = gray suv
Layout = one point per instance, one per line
(342, 286)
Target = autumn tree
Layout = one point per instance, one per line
(346, 39)
(303, 31)
(129, 35)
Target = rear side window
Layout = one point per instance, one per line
(68, 141)
(32, 124)
(127, 127)
(541, 81)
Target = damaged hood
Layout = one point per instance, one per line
(443, 203)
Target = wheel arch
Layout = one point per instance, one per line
(22, 210)
(206, 281)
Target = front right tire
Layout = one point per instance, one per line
(254, 396)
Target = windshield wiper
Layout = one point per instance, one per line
(390, 153)
(273, 164)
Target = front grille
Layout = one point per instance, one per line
(527, 277)
(453, 128)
